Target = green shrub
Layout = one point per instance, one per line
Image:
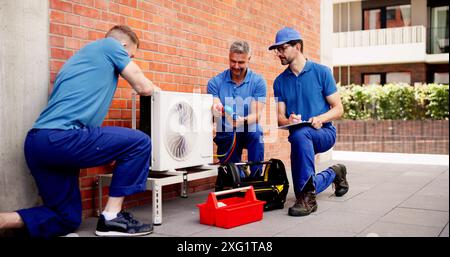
(437, 96)
(395, 101)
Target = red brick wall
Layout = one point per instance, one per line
(183, 44)
(398, 136)
(418, 72)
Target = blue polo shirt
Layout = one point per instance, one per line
(85, 86)
(305, 94)
(253, 88)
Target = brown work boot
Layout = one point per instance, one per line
(340, 181)
(304, 205)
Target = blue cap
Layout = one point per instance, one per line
(285, 35)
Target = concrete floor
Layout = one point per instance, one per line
(391, 195)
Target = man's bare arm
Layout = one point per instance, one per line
(134, 75)
(282, 119)
(257, 109)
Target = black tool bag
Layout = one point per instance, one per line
(271, 186)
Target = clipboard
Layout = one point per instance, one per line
(293, 125)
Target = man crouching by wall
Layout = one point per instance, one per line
(68, 136)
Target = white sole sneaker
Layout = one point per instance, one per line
(120, 234)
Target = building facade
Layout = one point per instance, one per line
(389, 41)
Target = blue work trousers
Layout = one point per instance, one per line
(55, 157)
(306, 142)
(252, 141)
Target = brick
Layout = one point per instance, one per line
(130, 3)
(136, 24)
(94, 35)
(59, 29)
(57, 53)
(58, 17)
(114, 114)
(57, 41)
(87, 182)
(85, 2)
(86, 11)
(55, 66)
(101, 4)
(60, 5)
(80, 33)
(125, 10)
(148, 7)
(73, 43)
(118, 104)
(72, 19)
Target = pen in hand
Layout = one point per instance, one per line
(295, 118)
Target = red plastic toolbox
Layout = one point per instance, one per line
(233, 211)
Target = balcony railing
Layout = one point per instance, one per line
(380, 37)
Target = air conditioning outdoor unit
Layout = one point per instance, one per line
(181, 130)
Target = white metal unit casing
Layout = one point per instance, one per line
(181, 129)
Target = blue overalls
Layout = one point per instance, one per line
(253, 88)
(306, 94)
(67, 136)
(55, 157)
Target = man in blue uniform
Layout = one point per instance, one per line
(242, 93)
(67, 136)
(306, 91)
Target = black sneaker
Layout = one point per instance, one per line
(340, 181)
(123, 225)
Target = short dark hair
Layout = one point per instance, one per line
(118, 30)
(294, 42)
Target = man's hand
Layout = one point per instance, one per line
(217, 109)
(156, 89)
(294, 118)
(238, 122)
(316, 122)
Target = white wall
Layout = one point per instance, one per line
(326, 50)
(24, 79)
(326, 32)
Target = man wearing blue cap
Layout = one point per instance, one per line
(306, 91)
(241, 93)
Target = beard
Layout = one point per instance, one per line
(285, 61)
(237, 72)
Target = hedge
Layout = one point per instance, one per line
(395, 102)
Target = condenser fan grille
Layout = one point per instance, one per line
(180, 136)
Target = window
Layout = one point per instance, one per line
(372, 19)
(439, 42)
(383, 78)
(441, 78)
(369, 79)
(398, 16)
(398, 77)
(387, 17)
